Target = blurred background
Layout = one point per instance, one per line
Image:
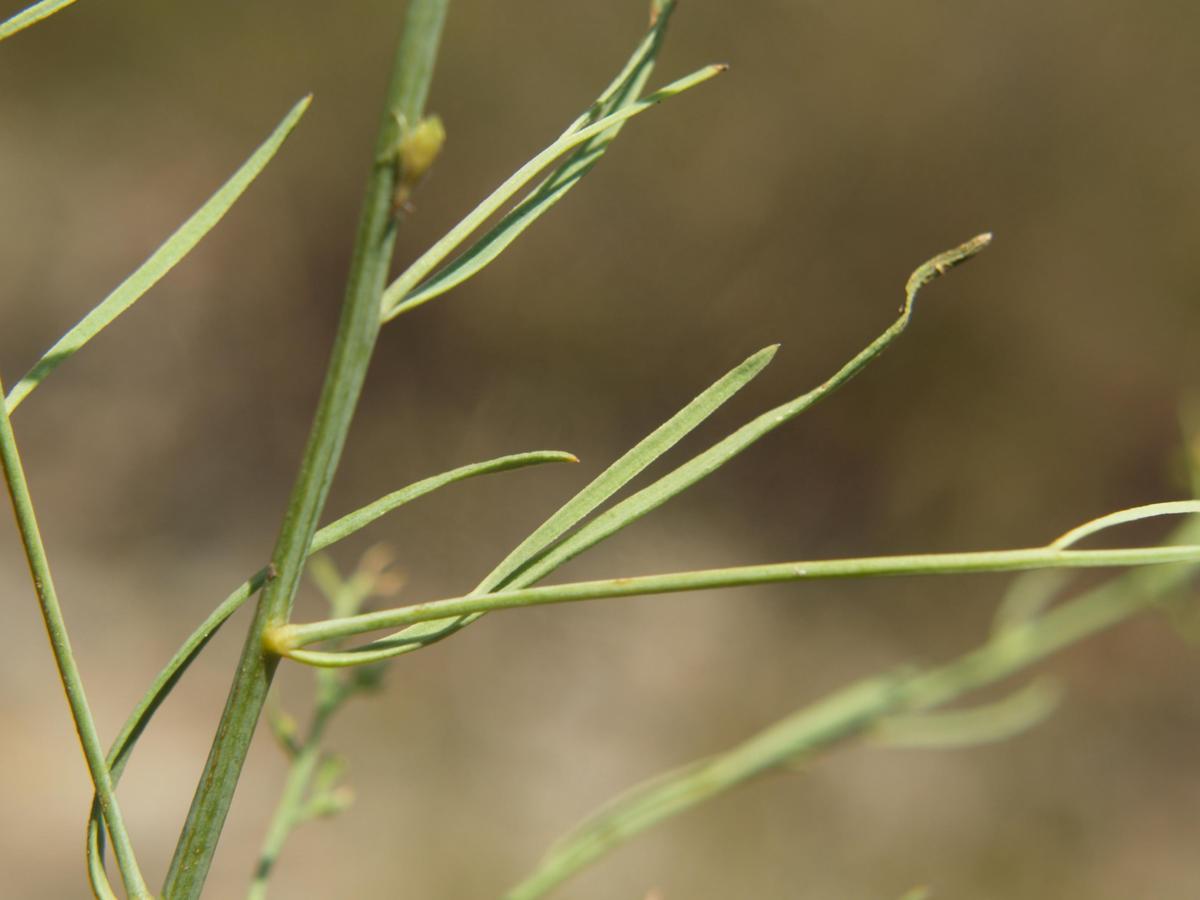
(787, 201)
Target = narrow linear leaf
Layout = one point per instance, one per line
(533, 568)
(605, 485)
(628, 466)
(624, 90)
(987, 723)
(1031, 594)
(177, 246)
(340, 529)
(1028, 597)
(1123, 516)
(838, 716)
(30, 16)
(703, 465)
(395, 294)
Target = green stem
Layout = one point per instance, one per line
(353, 345)
(64, 658)
(291, 801)
(852, 711)
(288, 637)
(169, 675)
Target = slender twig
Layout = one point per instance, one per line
(286, 638)
(291, 800)
(297, 801)
(64, 658)
(177, 665)
(353, 345)
(855, 710)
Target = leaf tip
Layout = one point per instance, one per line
(659, 9)
(764, 356)
(944, 262)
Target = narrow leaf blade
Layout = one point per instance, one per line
(624, 90)
(600, 489)
(31, 16)
(393, 301)
(535, 559)
(672, 484)
(177, 246)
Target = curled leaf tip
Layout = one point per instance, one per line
(571, 458)
(718, 68)
(944, 262)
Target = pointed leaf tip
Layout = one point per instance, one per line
(944, 262)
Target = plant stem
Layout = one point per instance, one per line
(288, 637)
(852, 711)
(353, 345)
(64, 658)
(291, 801)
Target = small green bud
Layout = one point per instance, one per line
(419, 147)
(416, 151)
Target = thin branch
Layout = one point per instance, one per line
(853, 711)
(286, 640)
(353, 345)
(64, 658)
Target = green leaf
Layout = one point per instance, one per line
(603, 486)
(539, 556)
(984, 724)
(395, 297)
(838, 715)
(1123, 516)
(30, 16)
(621, 472)
(703, 465)
(1031, 594)
(623, 91)
(177, 246)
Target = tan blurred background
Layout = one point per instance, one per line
(785, 202)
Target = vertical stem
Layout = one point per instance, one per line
(352, 349)
(291, 802)
(64, 658)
